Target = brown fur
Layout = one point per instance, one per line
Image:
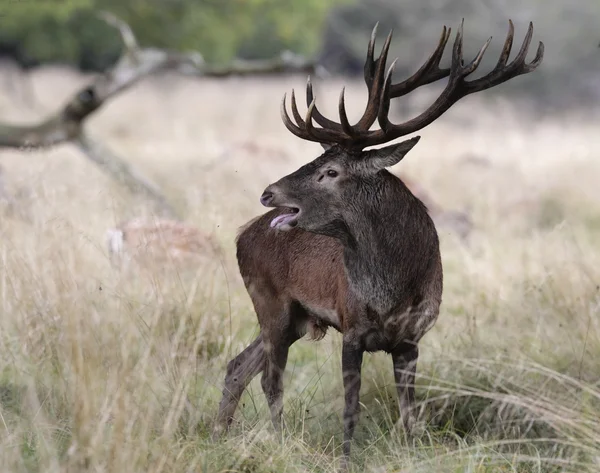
(292, 256)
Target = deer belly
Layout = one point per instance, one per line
(328, 316)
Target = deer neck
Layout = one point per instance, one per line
(389, 242)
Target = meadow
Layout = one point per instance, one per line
(103, 371)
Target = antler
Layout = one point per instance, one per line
(374, 75)
(381, 91)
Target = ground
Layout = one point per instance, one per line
(109, 372)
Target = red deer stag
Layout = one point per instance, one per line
(347, 245)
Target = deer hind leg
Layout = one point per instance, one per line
(352, 356)
(405, 354)
(405, 358)
(240, 371)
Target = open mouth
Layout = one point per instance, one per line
(287, 220)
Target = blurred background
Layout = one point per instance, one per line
(334, 32)
(122, 192)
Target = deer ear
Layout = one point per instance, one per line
(378, 159)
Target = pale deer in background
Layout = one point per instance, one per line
(159, 242)
(348, 245)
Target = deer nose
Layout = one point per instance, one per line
(266, 198)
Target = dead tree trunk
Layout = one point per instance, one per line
(66, 125)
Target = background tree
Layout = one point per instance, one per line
(334, 31)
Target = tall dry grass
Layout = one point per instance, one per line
(110, 373)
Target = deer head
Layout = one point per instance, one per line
(323, 194)
(341, 177)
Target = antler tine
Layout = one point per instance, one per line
(343, 116)
(384, 107)
(322, 135)
(370, 62)
(310, 129)
(305, 128)
(382, 59)
(374, 84)
(539, 55)
(507, 47)
(474, 64)
(289, 124)
(525, 46)
(429, 72)
(318, 116)
(457, 50)
(295, 112)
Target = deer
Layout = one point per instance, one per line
(346, 245)
(158, 241)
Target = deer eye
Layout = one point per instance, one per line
(332, 173)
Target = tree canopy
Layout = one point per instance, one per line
(334, 31)
(70, 32)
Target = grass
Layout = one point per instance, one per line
(107, 372)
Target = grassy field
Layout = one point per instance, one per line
(106, 372)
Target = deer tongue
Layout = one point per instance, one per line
(283, 219)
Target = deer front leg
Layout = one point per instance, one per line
(405, 367)
(352, 356)
(240, 371)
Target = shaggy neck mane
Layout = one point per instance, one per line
(384, 229)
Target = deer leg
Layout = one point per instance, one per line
(240, 371)
(405, 367)
(276, 355)
(352, 356)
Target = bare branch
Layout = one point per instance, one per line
(66, 125)
(286, 62)
(124, 173)
(129, 40)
